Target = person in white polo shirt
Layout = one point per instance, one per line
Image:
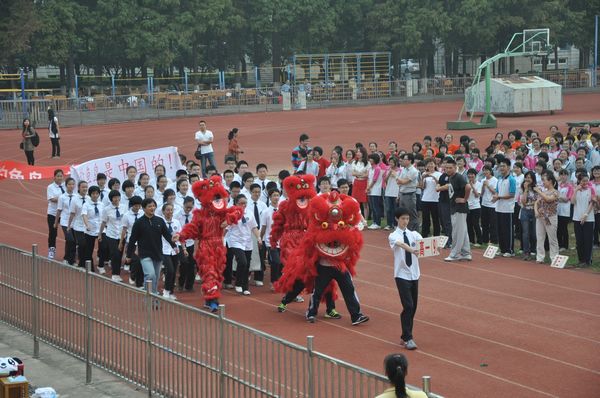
(63, 213)
(205, 152)
(76, 221)
(110, 230)
(504, 198)
(53, 192)
(91, 215)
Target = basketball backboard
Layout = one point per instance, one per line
(536, 40)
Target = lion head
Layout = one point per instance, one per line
(300, 189)
(211, 193)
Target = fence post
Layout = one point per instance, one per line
(35, 300)
(88, 323)
(221, 350)
(149, 336)
(427, 385)
(311, 375)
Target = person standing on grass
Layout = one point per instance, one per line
(396, 370)
(53, 193)
(459, 192)
(505, 207)
(546, 213)
(53, 132)
(584, 199)
(205, 152)
(403, 242)
(27, 134)
(146, 235)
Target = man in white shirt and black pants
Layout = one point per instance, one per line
(205, 152)
(406, 272)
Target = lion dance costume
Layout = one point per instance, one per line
(207, 227)
(329, 251)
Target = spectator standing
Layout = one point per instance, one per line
(391, 191)
(54, 133)
(546, 215)
(458, 192)
(374, 191)
(303, 145)
(565, 193)
(407, 186)
(233, 149)
(528, 196)
(584, 198)
(444, 204)
(323, 163)
(505, 207)
(488, 207)
(205, 152)
(27, 134)
(474, 215)
(360, 171)
(429, 199)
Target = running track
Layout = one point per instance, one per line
(488, 328)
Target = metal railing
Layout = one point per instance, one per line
(168, 348)
(101, 109)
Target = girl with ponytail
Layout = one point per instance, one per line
(396, 370)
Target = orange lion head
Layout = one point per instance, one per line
(211, 193)
(300, 189)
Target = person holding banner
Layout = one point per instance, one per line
(406, 272)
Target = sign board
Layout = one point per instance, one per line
(490, 252)
(559, 261)
(287, 101)
(428, 247)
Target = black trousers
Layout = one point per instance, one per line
(297, 289)
(585, 240)
(597, 228)
(228, 271)
(517, 225)
(52, 232)
(409, 295)
(242, 272)
(446, 220)
(136, 272)
(275, 262)
(55, 146)
(431, 216)
(187, 270)
(170, 263)
(344, 280)
(562, 231)
(114, 254)
(30, 158)
(474, 226)
(505, 232)
(489, 230)
(103, 251)
(81, 250)
(70, 246)
(90, 242)
(262, 252)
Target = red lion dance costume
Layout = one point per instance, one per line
(329, 251)
(206, 227)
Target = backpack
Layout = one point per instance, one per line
(35, 140)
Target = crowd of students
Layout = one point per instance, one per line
(527, 186)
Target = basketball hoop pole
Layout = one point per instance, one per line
(595, 74)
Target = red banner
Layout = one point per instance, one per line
(20, 171)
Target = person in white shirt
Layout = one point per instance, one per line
(247, 181)
(110, 232)
(76, 221)
(127, 190)
(309, 166)
(408, 182)
(337, 169)
(254, 209)
(91, 215)
(53, 192)
(170, 197)
(54, 133)
(429, 200)
(187, 264)
(136, 276)
(504, 198)
(266, 222)
(205, 152)
(583, 199)
(374, 188)
(474, 203)
(406, 273)
(142, 183)
(239, 241)
(231, 164)
(170, 254)
(489, 229)
(183, 187)
(63, 212)
(391, 191)
(104, 190)
(161, 186)
(103, 250)
(262, 181)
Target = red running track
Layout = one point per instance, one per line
(489, 328)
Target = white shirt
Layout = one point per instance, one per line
(250, 209)
(239, 235)
(175, 225)
(377, 185)
(64, 205)
(50, 133)
(114, 224)
(207, 135)
(76, 207)
(335, 173)
(401, 270)
(429, 193)
(104, 196)
(583, 197)
(266, 220)
(475, 202)
(181, 218)
(519, 180)
(504, 187)
(139, 191)
(412, 174)
(180, 197)
(486, 196)
(264, 195)
(391, 187)
(53, 192)
(563, 208)
(125, 200)
(94, 218)
(312, 168)
(130, 219)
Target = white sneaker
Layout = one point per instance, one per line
(373, 226)
(238, 289)
(101, 270)
(132, 282)
(299, 299)
(450, 258)
(116, 278)
(51, 253)
(172, 297)
(468, 257)
(168, 295)
(506, 254)
(198, 279)
(259, 283)
(126, 268)
(246, 292)
(387, 228)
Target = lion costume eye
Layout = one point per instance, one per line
(341, 224)
(324, 225)
(298, 186)
(305, 186)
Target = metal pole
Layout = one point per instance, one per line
(77, 90)
(596, 52)
(257, 83)
(88, 323)
(186, 82)
(23, 98)
(488, 90)
(311, 373)
(149, 336)
(221, 350)
(427, 385)
(35, 301)
(112, 86)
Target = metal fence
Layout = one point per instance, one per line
(101, 108)
(166, 347)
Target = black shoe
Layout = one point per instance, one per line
(361, 319)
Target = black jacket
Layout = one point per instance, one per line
(147, 233)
